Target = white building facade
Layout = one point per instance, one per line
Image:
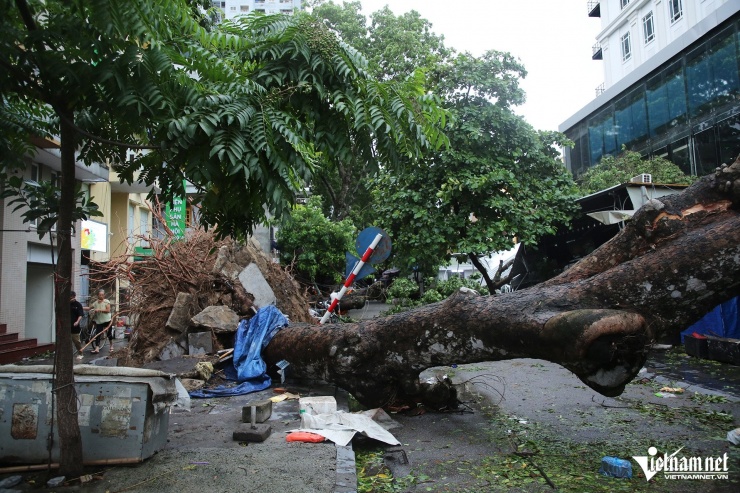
(234, 8)
(671, 84)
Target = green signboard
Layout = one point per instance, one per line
(176, 215)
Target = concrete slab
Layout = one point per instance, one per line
(255, 284)
(200, 343)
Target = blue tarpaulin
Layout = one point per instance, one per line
(252, 336)
(722, 321)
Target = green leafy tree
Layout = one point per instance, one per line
(245, 112)
(615, 170)
(397, 48)
(500, 181)
(314, 246)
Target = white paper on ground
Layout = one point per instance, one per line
(341, 427)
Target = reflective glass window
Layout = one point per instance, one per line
(630, 119)
(601, 136)
(675, 8)
(712, 74)
(705, 152)
(698, 81)
(728, 132)
(626, 47)
(723, 60)
(648, 27)
(666, 100)
(680, 156)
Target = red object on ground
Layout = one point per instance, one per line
(304, 436)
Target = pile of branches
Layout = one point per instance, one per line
(187, 266)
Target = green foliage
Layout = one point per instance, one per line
(431, 296)
(402, 288)
(452, 285)
(40, 202)
(399, 48)
(615, 170)
(498, 181)
(245, 111)
(313, 245)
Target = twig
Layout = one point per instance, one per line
(608, 406)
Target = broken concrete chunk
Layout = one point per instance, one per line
(245, 433)
(200, 343)
(179, 318)
(171, 350)
(220, 319)
(263, 408)
(224, 264)
(255, 284)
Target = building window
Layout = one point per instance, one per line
(244, 8)
(648, 27)
(233, 8)
(221, 5)
(625, 3)
(626, 47)
(676, 9)
(35, 173)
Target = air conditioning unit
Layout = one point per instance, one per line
(643, 178)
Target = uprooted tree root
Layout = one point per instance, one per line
(187, 266)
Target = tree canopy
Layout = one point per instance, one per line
(498, 181)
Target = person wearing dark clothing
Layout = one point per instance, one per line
(77, 312)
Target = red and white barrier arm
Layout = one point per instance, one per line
(350, 279)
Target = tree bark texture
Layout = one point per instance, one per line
(677, 259)
(70, 442)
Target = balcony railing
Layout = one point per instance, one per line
(597, 54)
(594, 8)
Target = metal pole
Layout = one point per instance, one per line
(350, 279)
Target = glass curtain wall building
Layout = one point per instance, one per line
(686, 109)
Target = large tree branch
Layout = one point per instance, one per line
(676, 260)
(26, 14)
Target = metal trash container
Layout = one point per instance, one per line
(123, 413)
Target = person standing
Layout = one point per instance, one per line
(77, 312)
(101, 314)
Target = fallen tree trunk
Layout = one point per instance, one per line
(677, 259)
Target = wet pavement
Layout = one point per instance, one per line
(521, 424)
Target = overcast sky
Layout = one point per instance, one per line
(552, 38)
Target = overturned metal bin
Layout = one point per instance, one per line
(123, 413)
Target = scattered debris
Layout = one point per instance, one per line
(204, 369)
(194, 285)
(304, 436)
(263, 411)
(56, 482)
(733, 436)
(615, 467)
(10, 481)
(253, 432)
(664, 395)
(674, 390)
